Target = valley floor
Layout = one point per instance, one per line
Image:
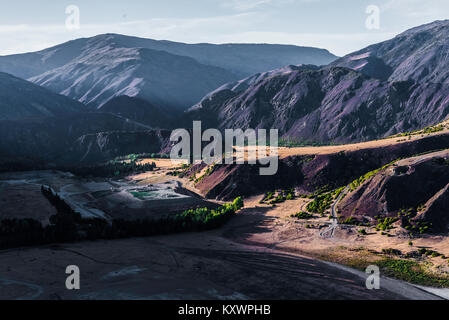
(261, 253)
(235, 262)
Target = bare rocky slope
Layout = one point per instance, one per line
(396, 86)
(106, 70)
(309, 173)
(418, 185)
(168, 74)
(419, 54)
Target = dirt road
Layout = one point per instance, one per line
(329, 232)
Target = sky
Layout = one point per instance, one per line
(341, 26)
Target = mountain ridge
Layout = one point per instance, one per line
(156, 76)
(418, 54)
(20, 99)
(359, 97)
(209, 67)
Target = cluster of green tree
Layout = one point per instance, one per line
(193, 220)
(139, 156)
(291, 142)
(268, 196)
(68, 225)
(431, 253)
(113, 169)
(408, 222)
(305, 196)
(427, 130)
(322, 191)
(362, 232)
(352, 221)
(392, 252)
(282, 196)
(411, 271)
(181, 172)
(385, 223)
(175, 173)
(302, 215)
(357, 183)
(207, 173)
(205, 219)
(321, 203)
(420, 227)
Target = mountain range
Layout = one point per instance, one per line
(83, 96)
(395, 86)
(169, 74)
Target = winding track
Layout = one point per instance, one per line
(329, 232)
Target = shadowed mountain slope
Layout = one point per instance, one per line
(138, 110)
(20, 99)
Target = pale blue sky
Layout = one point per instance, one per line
(337, 25)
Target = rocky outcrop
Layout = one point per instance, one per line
(398, 187)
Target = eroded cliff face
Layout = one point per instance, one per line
(329, 105)
(308, 173)
(417, 184)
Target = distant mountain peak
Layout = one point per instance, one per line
(432, 26)
(418, 54)
(169, 74)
